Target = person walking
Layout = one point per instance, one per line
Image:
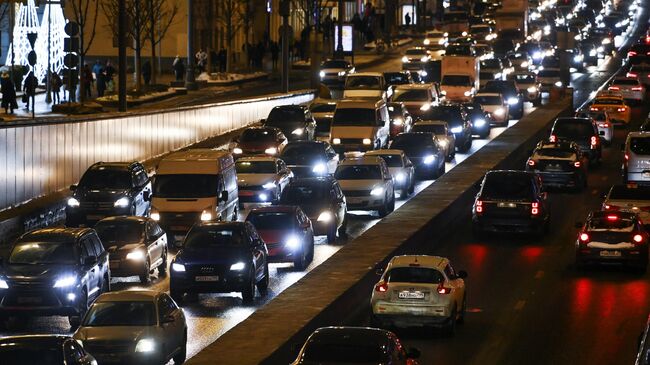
(109, 71)
(8, 93)
(101, 82)
(179, 68)
(55, 84)
(29, 89)
(407, 19)
(146, 72)
(87, 81)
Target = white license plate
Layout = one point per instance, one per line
(411, 295)
(94, 217)
(206, 278)
(506, 205)
(610, 253)
(29, 300)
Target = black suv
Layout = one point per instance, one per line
(479, 118)
(582, 131)
(322, 199)
(560, 164)
(510, 201)
(43, 349)
(423, 151)
(108, 189)
(54, 272)
(295, 121)
(458, 122)
(510, 92)
(220, 257)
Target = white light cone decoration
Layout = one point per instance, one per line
(57, 34)
(26, 22)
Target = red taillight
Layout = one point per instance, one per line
(621, 109)
(381, 287)
(614, 88)
(534, 208)
(631, 53)
(612, 217)
(647, 39)
(577, 164)
(594, 140)
(443, 290)
(637, 88)
(603, 125)
(627, 157)
(479, 206)
(630, 74)
(584, 237)
(593, 109)
(531, 163)
(637, 238)
(553, 138)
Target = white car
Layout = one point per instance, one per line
(417, 98)
(261, 179)
(636, 164)
(134, 326)
(323, 111)
(419, 291)
(630, 197)
(367, 184)
(371, 85)
(603, 122)
(630, 88)
(333, 72)
(549, 78)
(401, 169)
(435, 37)
(528, 86)
(415, 58)
(495, 105)
(440, 128)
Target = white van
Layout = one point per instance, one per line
(360, 125)
(193, 186)
(636, 163)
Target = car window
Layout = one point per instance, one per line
(420, 275)
(97, 244)
(449, 271)
(165, 307)
(87, 244)
(141, 178)
(640, 145)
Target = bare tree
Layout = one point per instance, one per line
(161, 17)
(4, 19)
(84, 13)
(248, 15)
(230, 15)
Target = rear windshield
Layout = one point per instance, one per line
(255, 167)
(430, 128)
(354, 117)
(419, 275)
(120, 233)
(206, 237)
(281, 116)
(322, 108)
(257, 135)
(344, 353)
(577, 128)
(272, 220)
(622, 192)
(304, 194)
(610, 224)
(507, 187)
(363, 82)
(640, 145)
(111, 314)
(458, 49)
(103, 178)
(411, 95)
(488, 100)
(456, 80)
(555, 152)
(358, 172)
(185, 186)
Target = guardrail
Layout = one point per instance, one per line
(42, 158)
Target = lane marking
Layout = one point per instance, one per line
(539, 274)
(520, 305)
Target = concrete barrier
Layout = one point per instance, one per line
(338, 289)
(45, 157)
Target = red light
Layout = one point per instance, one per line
(614, 88)
(577, 164)
(647, 39)
(534, 208)
(621, 109)
(479, 206)
(443, 290)
(631, 53)
(637, 88)
(593, 109)
(612, 217)
(627, 157)
(594, 140)
(553, 138)
(584, 237)
(531, 163)
(381, 287)
(603, 125)
(637, 238)
(630, 74)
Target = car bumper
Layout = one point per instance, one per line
(560, 179)
(46, 302)
(88, 217)
(602, 255)
(410, 315)
(365, 202)
(514, 225)
(278, 252)
(117, 355)
(226, 283)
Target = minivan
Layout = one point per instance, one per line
(636, 163)
(360, 125)
(193, 186)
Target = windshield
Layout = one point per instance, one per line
(416, 144)
(416, 275)
(323, 108)
(282, 116)
(524, 78)
(185, 186)
(102, 178)
(396, 78)
(416, 52)
(640, 145)
(364, 117)
(456, 80)
(257, 135)
(304, 194)
(446, 114)
(121, 233)
(21, 354)
(113, 314)
(507, 187)
(458, 49)
(344, 353)
(573, 129)
(209, 237)
(622, 192)
(272, 220)
(255, 167)
(334, 64)
(358, 172)
(392, 160)
(302, 153)
(363, 82)
(549, 73)
(411, 95)
(488, 100)
(42, 253)
(430, 128)
(555, 152)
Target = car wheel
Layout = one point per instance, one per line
(248, 293)
(442, 170)
(412, 186)
(106, 285)
(343, 229)
(144, 275)
(300, 262)
(75, 321)
(331, 234)
(310, 255)
(404, 192)
(383, 211)
(181, 356)
(263, 285)
(450, 327)
(162, 269)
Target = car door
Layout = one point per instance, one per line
(170, 320)
(332, 159)
(103, 268)
(143, 186)
(257, 247)
(89, 266)
(340, 206)
(153, 243)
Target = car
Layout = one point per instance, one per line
(528, 86)
(136, 246)
(107, 189)
(582, 131)
(604, 123)
(333, 72)
(549, 78)
(419, 290)
(400, 118)
(446, 139)
(360, 125)
(615, 106)
(367, 184)
(638, 53)
(458, 122)
(134, 327)
(287, 232)
(642, 72)
(629, 197)
(322, 199)
(323, 111)
(435, 37)
(310, 158)
(460, 49)
(355, 345)
(295, 122)
(550, 62)
(417, 98)
(495, 65)
(510, 92)
(424, 151)
(54, 272)
(496, 106)
(482, 32)
(394, 78)
(630, 88)
(259, 141)
(560, 164)
(502, 46)
(401, 169)
(636, 161)
(366, 85)
(415, 58)
(43, 349)
(220, 257)
(521, 61)
(485, 76)
(612, 237)
(261, 179)
(510, 201)
(479, 117)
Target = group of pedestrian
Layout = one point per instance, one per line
(255, 54)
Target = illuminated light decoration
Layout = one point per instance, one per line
(57, 34)
(26, 22)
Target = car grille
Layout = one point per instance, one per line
(180, 219)
(97, 205)
(34, 296)
(206, 269)
(352, 193)
(108, 347)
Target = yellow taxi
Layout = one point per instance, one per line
(614, 105)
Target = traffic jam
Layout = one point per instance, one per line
(214, 220)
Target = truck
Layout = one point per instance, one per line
(460, 77)
(511, 17)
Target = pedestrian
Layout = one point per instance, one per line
(327, 27)
(97, 68)
(275, 51)
(87, 81)
(407, 19)
(29, 89)
(179, 68)
(214, 60)
(55, 87)
(223, 59)
(8, 93)
(146, 72)
(101, 82)
(201, 60)
(261, 50)
(109, 71)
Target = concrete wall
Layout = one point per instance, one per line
(42, 158)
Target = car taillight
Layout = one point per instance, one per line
(637, 88)
(603, 125)
(479, 206)
(614, 88)
(534, 208)
(626, 156)
(621, 109)
(552, 138)
(637, 238)
(630, 74)
(381, 287)
(443, 290)
(577, 164)
(631, 54)
(584, 237)
(612, 217)
(594, 140)
(593, 109)
(531, 163)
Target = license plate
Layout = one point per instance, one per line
(553, 168)
(411, 295)
(610, 253)
(94, 217)
(246, 193)
(178, 228)
(206, 278)
(29, 300)
(506, 205)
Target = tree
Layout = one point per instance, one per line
(85, 15)
(230, 15)
(161, 17)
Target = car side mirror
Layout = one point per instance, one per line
(461, 274)
(90, 261)
(223, 196)
(146, 196)
(73, 187)
(579, 225)
(167, 319)
(413, 353)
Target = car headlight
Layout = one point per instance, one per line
(577, 58)
(263, 197)
(400, 177)
(405, 59)
(429, 159)
(600, 49)
(532, 89)
(377, 191)
(292, 242)
(467, 93)
(3, 284)
(122, 202)
(513, 101)
(65, 281)
(443, 92)
(73, 203)
(423, 73)
(425, 107)
(443, 142)
(145, 345)
(366, 141)
(155, 216)
(135, 255)
(237, 151)
(325, 216)
(456, 129)
(426, 42)
(206, 216)
(336, 141)
(558, 83)
(298, 131)
(271, 151)
(548, 53)
(319, 168)
(479, 122)
(321, 74)
(524, 64)
(499, 112)
(178, 267)
(424, 59)
(341, 73)
(537, 55)
(593, 53)
(398, 120)
(606, 41)
(237, 266)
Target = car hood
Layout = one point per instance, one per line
(38, 273)
(271, 236)
(256, 146)
(213, 256)
(99, 195)
(113, 333)
(254, 179)
(359, 184)
(112, 247)
(353, 132)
